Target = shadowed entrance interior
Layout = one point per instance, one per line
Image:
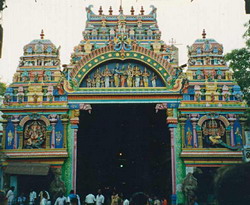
(126, 146)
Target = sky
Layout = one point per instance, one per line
(64, 20)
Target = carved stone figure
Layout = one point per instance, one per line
(35, 98)
(16, 77)
(34, 135)
(10, 138)
(117, 75)
(107, 74)
(137, 74)
(123, 76)
(238, 137)
(130, 75)
(189, 186)
(88, 82)
(153, 80)
(189, 137)
(57, 186)
(97, 77)
(145, 76)
(48, 75)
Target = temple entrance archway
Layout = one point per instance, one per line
(126, 146)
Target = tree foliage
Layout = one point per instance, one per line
(2, 88)
(239, 61)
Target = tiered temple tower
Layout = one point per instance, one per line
(121, 59)
(212, 110)
(35, 114)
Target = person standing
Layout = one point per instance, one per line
(157, 201)
(126, 201)
(21, 199)
(48, 198)
(114, 198)
(165, 201)
(73, 199)
(10, 195)
(44, 199)
(90, 199)
(99, 198)
(61, 200)
(32, 197)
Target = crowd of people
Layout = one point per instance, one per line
(43, 198)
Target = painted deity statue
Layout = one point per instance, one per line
(117, 75)
(130, 75)
(238, 137)
(88, 82)
(137, 73)
(10, 137)
(189, 137)
(34, 135)
(97, 77)
(153, 80)
(123, 76)
(107, 74)
(145, 76)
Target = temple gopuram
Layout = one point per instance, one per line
(122, 114)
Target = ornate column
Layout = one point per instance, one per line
(74, 121)
(194, 119)
(243, 119)
(175, 150)
(53, 120)
(74, 159)
(48, 135)
(177, 141)
(231, 119)
(4, 122)
(200, 140)
(173, 160)
(182, 119)
(65, 119)
(20, 134)
(15, 122)
(72, 140)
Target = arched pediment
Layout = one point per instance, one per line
(220, 117)
(139, 57)
(128, 73)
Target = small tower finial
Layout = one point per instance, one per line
(121, 10)
(42, 34)
(110, 10)
(100, 10)
(142, 10)
(204, 34)
(132, 10)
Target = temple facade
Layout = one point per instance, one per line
(121, 59)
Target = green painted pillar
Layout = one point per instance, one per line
(180, 166)
(67, 167)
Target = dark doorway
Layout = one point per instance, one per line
(126, 146)
(26, 183)
(205, 190)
